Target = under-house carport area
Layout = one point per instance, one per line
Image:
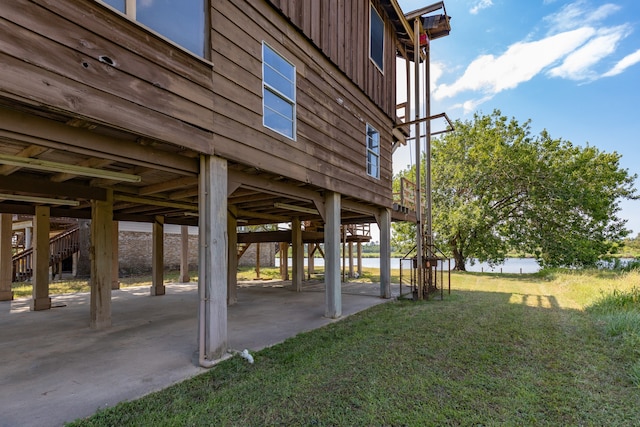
(53, 166)
(55, 369)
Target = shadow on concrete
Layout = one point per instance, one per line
(55, 369)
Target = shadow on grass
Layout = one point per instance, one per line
(477, 358)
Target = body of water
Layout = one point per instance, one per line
(511, 265)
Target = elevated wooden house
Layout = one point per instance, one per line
(208, 113)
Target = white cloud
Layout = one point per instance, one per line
(577, 15)
(520, 63)
(576, 65)
(623, 64)
(471, 104)
(480, 4)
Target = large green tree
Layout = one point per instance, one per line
(497, 188)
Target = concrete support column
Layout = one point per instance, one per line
(6, 265)
(101, 261)
(333, 284)
(184, 254)
(232, 274)
(157, 257)
(359, 250)
(213, 259)
(384, 222)
(40, 261)
(115, 267)
(297, 254)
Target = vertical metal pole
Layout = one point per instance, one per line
(427, 96)
(416, 111)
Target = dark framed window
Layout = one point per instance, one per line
(373, 152)
(278, 92)
(182, 22)
(376, 38)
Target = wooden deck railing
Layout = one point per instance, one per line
(61, 247)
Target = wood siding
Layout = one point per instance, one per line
(80, 58)
(340, 29)
(332, 111)
(53, 58)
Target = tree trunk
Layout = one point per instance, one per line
(459, 259)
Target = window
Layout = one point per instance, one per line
(376, 38)
(180, 21)
(278, 93)
(373, 152)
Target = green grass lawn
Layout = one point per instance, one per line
(501, 350)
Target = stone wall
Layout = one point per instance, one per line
(135, 250)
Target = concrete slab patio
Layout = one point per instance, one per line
(55, 369)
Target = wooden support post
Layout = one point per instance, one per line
(311, 267)
(115, 266)
(258, 260)
(27, 237)
(359, 250)
(232, 274)
(157, 256)
(385, 253)
(213, 258)
(297, 255)
(350, 259)
(333, 284)
(6, 265)
(284, 261)
(184, 254)
(101, 261)
(40, 261)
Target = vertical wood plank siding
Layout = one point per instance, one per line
(332, 112)
(340, 28)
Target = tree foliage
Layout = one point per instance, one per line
(496, 189)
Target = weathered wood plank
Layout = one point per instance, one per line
(22, 43)
(35, 86)
(124, 32)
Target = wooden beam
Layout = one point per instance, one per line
(275, 187)
(212, 277)
(38, 131)
(40, 262)
(37, 186)
(90, 163)
(333, 296)
(174, 184)
(49, 166)
(6, 265)
(385, 253)
(232, 259)
(30, 151)
(155, 202)
(157, 257)
(184, 254)
(297, 255)
(101, 262)
(258, 215)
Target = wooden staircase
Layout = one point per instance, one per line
(61, 247)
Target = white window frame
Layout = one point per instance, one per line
(373, 10)
(131, 12)
(371, 152)
(267, 87)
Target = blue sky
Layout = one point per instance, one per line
(572, 67)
